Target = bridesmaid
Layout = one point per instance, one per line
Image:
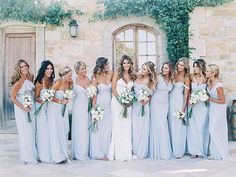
(217, 115)
(197, 131)
(101, 139)
(43, 82)
(140, 125)
(21, 83)
(178, 100)
(160, 146)
(80, 115)
(58, 124)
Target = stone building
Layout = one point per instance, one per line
(214, 32)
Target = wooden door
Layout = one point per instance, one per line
(17, 46)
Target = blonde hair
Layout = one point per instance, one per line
(65, 70)
(214, 69)
(152, 74)
(78, 64)
(17, 74)
(171, 69)
(185, 61)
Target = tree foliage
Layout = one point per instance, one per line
(36, 11)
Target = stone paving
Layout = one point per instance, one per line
(186, 167)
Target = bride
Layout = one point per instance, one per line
(121, 145)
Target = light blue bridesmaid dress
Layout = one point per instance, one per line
(140, 126)
(160, 146)
(197, 131)
(42, 132)
(58, 129)
(218, 147)
(26, 134)
(178, 131)
(80, 124)
(100, 140)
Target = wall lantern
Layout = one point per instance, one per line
(73, 28)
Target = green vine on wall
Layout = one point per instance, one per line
(36, 11)
(172, 15)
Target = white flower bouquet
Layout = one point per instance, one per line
(27, 103)
(97, 114)
(126, 98)
(46, 97)
(143, 95)
(91, 91)
(179, 114)
(197, 96)
(68, 94)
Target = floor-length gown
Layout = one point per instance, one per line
(42, 132)
(25, 129)
(140, 125)
(178, 131)
(58, 129)
(100, 139)
(160, 146)
(218, 147)
(121, 144)
(80, 124)
(197, 131)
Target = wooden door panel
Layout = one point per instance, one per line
(17, 46)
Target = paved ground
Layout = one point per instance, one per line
(186, 167)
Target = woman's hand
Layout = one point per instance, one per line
(64, 101)
(144, 102)
(26, 109)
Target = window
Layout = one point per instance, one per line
(137, 41)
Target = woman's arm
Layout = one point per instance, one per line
(221, 96)
(55, 87)
(15, 88)
(94, 100)
(186, 93)
(38, 88)
(114, 84)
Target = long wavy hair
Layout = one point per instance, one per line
(201, 64)
(17, 74)
(151, 74)
(185, 61)
(171, 69)
(101, 62)
(215, 70)
(41, 72)
(121, 68)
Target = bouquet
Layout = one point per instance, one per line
(196, 96)
(91, 91)
(143, 96)
(97, 114)
(27, 103)
(126, 98)
(46, 97)
(181, 115)
(68, 94)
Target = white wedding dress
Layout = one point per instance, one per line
(121, 143)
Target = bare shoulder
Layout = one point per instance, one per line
(31, 77)
(57, 83)
(38, 85)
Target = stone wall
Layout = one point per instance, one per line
(214, 38)
(94, 39)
